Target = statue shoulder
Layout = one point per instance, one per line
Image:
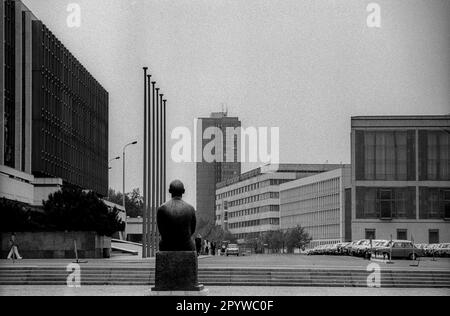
(189, 206)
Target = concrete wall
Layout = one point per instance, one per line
(57, 245)
(23, 187)
(418, 229)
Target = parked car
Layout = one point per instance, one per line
(443, 250)
(347, 249)
(400, 249)
(341, 247)
(367, 247)
(233, 250)
(354, 249)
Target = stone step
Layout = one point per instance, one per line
(292, 284)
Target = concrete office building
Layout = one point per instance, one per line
(318, 203)
(401, 178)
(53, 113)
(210, 173)
(249, 204)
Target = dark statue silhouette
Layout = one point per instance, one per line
(176, 221)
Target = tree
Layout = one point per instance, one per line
(20, 217)
(72, 209)
(210, 231)
(297, 237)
(274, 240)
(134, 202)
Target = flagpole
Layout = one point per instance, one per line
(144, 210)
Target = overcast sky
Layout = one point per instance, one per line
(303, 66)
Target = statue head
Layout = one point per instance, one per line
(176, 188)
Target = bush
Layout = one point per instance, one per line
(67, 210)
(20, 217)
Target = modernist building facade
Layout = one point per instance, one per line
(53, 113)
(210, 173)
(401, 178)
(249, 204)
(321, 204)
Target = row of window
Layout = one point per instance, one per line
(9, 89)
(252, 211)
(312, 190)
(391, 155)
(254, 198)
(256, 222)
(390, 203)
(402, 234)
(251, 187)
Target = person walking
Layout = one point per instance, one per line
(213, 248)
(13, 249)
(207, 248)
(198, 244)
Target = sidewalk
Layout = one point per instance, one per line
(232, 291)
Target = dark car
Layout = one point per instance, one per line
(400, 249)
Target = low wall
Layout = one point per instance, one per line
(58, 245)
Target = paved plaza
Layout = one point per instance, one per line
(232, 291)
(251, 261)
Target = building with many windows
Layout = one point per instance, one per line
(53, 113)
(249, 204)
(319, 203)
(209, 173)
(401, 178)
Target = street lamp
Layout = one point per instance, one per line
(111, 160)
(109, 168)
(123, 179)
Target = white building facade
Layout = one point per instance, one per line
(318, 204)
(249, 205)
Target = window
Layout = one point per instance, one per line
(402, 234)
(385, 155)
(385, 203)
(434, 203)
(434, 155)
(370, 234)
(433, 236)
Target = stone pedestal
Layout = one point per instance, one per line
(177, 272)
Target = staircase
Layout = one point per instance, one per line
(95, 275)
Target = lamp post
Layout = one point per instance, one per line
(123, 179)
(109, 168)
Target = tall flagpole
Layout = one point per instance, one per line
(164, 152)
(158, 162)
(150, 172)
(144, 211)
(153, 223)
(161, 162)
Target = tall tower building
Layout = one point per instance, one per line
(209, 173)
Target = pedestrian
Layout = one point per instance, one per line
(207, 248)
(224, 248)
(198, 244)
(13, 249)
(213, 248)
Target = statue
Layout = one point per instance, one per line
(176, 267)
(176, 221)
